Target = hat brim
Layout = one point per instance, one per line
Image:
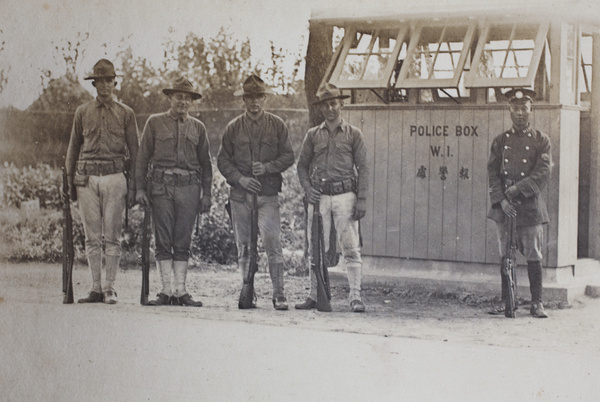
(241, 92)
(93, 77)
(330, 98)
(169, 91)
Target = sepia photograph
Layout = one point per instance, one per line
(279, 200)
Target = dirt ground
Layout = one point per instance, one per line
(391, 312)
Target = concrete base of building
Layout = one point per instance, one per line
(561, 285)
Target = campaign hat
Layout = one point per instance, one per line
(329, 91)
(520, 95)
(253, 85)
(182, 84)
(102, 69)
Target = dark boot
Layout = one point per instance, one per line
(534, 271)
(186, 300)
(93, 297)
(161, 300)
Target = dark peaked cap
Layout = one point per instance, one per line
(520, 95)
(182, 84)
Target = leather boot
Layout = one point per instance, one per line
(276, 271)
(534, 271)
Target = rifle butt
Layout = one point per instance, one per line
(323, 303)
(246, 296)
(147, 227)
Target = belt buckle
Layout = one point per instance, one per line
(337, 187)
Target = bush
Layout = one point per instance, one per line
(37, 236)
(24, 184)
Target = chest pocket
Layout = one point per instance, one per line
(268, 148)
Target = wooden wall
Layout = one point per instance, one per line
(442, 215)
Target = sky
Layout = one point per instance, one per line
(32, 28)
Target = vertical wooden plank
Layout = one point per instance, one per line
(366, 224)
(549, 122)
(421, 228)
(380, 181)
(394, 182)
(499, 120)
(452, 143)
(480, 197)
(408, 184)
(465, 208)
(437, 180)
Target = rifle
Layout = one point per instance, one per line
(318, 261)
(146, 228)
(247, 293)
(509, 265)
(68, 254)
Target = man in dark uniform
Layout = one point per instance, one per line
(255, 150)
(518, 169)
(175, 158)
(104, 142)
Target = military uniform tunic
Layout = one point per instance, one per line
(523, 158)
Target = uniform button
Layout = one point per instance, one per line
(505, 160)
(529, 135)
(505, 173)
(522, 174)
(524, 160)
(527, 147)
(506, 147)
(507, 134)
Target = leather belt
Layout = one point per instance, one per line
(174, 176)
(335, 187)
(99, 167)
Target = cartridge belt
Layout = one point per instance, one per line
(99, 167)
(335, 187)
(174, 176)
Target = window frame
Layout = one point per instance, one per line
(433, 83)
(336, 66)
(471, 79)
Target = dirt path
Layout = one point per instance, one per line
(392, 312)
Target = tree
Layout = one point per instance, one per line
(64, 93)
(141, 83)
(3, 73)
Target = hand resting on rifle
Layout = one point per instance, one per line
(205, 204)
(313, 195)
(141, 198)
(250, 184)
(508, 208)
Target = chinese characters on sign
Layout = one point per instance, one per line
(463, 173)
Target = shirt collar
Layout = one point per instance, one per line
(107, 104)
(342, 126)
(521, 132)
(176, 117)
(257, 118)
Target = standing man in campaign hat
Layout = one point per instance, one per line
(333, 171)
(174, 163)
(102, 149)
(255, 150)
(519, 168)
